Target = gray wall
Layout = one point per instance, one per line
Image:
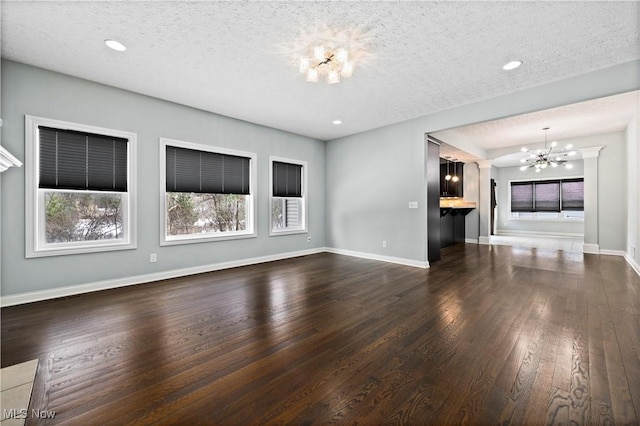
(472, 193)
(632, 136)
(612, 190)
(371, 177)
(34, 91)
(364, 185)
(365, 205)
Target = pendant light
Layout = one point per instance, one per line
(455, 177)
(448, 176)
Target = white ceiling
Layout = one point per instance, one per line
(234, 58)
(504, 138)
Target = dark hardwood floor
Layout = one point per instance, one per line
(488, 335)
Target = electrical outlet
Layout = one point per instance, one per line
(633, 252)
(153, 258)
(413, 204)
(384, 244)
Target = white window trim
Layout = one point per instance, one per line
(305, 199)
(166, 240)
(560, 218)
(34, 199)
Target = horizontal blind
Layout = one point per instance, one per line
(292, 218)
(573, 194)
(521, 197)
(547, 196)
(287, 179)
(81, 161)
(190, 170)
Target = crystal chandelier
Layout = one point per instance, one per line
(543, 158)
(324, 61)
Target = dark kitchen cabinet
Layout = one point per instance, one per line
(452, 225)
(449, 188)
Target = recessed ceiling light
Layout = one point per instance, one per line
(512, 65)
(115, 45)
(337, 122)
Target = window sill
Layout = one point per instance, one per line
(85, 249)
(546, 219)
(274, 233)
(208, 239)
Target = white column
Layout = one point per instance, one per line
(590, 158)
(484, 206)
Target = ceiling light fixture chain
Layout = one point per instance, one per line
(542, 158)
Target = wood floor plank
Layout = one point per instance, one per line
(487, 335)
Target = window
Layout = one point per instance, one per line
(288, 196)
(573, 194)
(548, 199)
(207, 193)
(80, 188)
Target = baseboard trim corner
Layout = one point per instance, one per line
(484, 241)
(591, 248)
(371, 256)
(634, 265)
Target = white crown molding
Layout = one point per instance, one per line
(591, 152)
(8, 160)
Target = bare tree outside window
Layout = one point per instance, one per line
(190, 213)
(82, 217)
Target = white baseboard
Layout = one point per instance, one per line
(634, 265)
(35, 296)
(484, 240)
(612, 252)
(398, 260)
(591, 248)
(538, 234)
(471, 240)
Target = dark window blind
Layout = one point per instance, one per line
(573, 194)
(81, 161)
(287, 179)
(522, 197)
(547, 196)
(189, 170)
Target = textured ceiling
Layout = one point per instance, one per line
(504, 138)
(232, 58)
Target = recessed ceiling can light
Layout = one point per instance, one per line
(337, 122)
(512, 65)
(115, 45)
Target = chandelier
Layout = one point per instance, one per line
(324, 61)
(543, 158)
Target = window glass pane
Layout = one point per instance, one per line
(573, 194)
(191, 213)
(286, 213)
(547, 196)
(82, 216)
(522, 197)
(278, 212)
